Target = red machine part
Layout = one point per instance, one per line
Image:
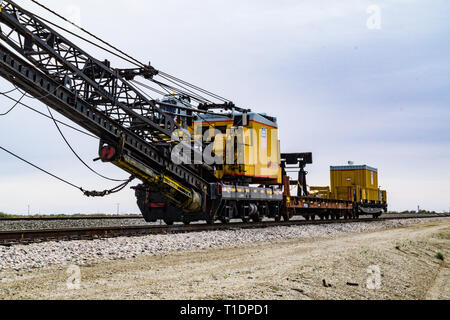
(157, 205)
(108, 153)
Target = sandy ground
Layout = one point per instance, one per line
(320, 268)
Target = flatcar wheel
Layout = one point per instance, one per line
(187, 222)
(168, 222)
(277, 218)
(256, 218)
(225, 220)
(313, 217)
(307, 218)
(245, 219)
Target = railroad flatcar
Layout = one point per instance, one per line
(254, 180)
(355, 183)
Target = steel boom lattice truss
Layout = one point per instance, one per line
(89, 92)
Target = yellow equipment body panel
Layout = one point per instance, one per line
(384, 196)
(249, 150)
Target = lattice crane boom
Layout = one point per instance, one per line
(97, 97)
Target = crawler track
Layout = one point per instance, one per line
(33, 236)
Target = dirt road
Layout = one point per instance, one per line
(403, 264)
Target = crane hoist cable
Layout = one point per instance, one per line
(86, 193)
(197, 98)
(7, 92)
(65, 139)
(47, 116)
(75, 153)
(148, 87)
(17, 102)
(130, 58)
(13, 107)
(188, 105)
(188, 90)
(125, 57)
(161, 73)
(203, 100)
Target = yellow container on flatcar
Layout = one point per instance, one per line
(355, 183)
(347, 176)
(321, 192)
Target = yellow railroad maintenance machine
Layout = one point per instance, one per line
(198, 156)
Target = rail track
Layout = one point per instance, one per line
(50, 218)
(8, 238)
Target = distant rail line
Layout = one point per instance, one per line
(50, 218)
(8, 238)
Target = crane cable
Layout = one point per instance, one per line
(115, 54)
(64, 138)
(86, 193)
(134, 61)
(127, 57)
(75, 153)
(188, 105)
(60, 132)
(149, 88)
(163, 74)
(46, 116)
(62, 135)
(14, 106)
(188, 90)
(9, 91)
(180, 91)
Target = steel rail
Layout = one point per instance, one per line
(45, 235)
(50, 218)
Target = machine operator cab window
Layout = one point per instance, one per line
(178, 114)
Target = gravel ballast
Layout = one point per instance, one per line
(41, 224)
(12, 225)
(83, 252)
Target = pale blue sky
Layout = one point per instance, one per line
(340, 90)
